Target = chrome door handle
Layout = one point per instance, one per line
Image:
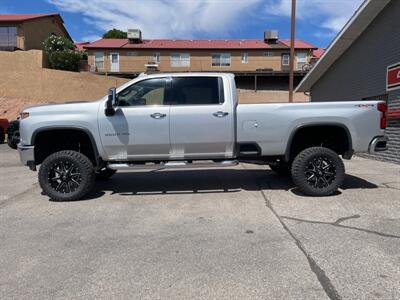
(220, 114)
(158, 116)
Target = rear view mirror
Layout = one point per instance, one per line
(111, 101)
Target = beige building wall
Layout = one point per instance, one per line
(200, 60)
(32, 33)
(37, 30)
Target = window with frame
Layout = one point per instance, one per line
(268, 54)
(197, 91)
(114, 58)
(8, 37)
(180, 60)
(99, 60)
(145, 92)
(132, 53)
(301, 59)
(221, 59)
(285, 59)
(245, 58)
(156, 58)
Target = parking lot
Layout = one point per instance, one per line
(231, 233)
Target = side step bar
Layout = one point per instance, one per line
(173, 165)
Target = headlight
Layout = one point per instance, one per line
(24, 115)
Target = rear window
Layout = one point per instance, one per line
(197, 91)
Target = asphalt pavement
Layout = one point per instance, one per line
(236, 233)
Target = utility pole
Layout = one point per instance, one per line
(292, 41)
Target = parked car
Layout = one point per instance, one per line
(3, 129)
(193, 120)
(13, 134)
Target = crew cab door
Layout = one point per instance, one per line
(201, 118)
(139, 129)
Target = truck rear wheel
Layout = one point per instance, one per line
(318, 171)
(66, 176)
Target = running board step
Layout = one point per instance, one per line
(173, 165)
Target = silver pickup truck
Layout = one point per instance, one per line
(193, 120)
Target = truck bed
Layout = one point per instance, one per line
(272, 125)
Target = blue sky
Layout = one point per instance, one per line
(318, 21)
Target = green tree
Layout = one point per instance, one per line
(61, 53)
(115, 34)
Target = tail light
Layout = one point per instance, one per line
(382, 107)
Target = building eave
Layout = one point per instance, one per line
(365, 14)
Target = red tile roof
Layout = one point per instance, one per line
(196, 44)
(79, 45)
(24, 17)
(318, 52)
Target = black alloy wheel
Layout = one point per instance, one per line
(66, 175)
(318, 171)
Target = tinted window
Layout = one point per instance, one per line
(8, 37)
(197, 91)
(146, 92)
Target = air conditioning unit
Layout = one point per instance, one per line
(271, 36)
(135, 34)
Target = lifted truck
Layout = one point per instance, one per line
(193, 120)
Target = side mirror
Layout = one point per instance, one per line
(111, 101)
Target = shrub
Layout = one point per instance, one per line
(62, 54)
(67, 60)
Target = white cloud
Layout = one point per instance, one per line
(89, 38)
(330, 14)
(162, 18)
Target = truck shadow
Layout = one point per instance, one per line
(205, 182)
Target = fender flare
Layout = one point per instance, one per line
(347, 155)
(77, 128)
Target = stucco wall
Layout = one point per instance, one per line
(37, 30)
(25, 82)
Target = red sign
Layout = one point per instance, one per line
(393, 77)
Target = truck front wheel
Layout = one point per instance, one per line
(318, 171)
(66, 175)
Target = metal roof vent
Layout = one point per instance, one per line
(134, 36)
(271, 36)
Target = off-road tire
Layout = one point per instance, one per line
(329, 173)
(80, 165)
(105, 173)
(282, 169)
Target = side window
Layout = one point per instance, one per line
(285, 59)
(146, 92)
(197, 91)
(99, 60)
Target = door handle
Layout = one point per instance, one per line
(158, 116)
(220, 114)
